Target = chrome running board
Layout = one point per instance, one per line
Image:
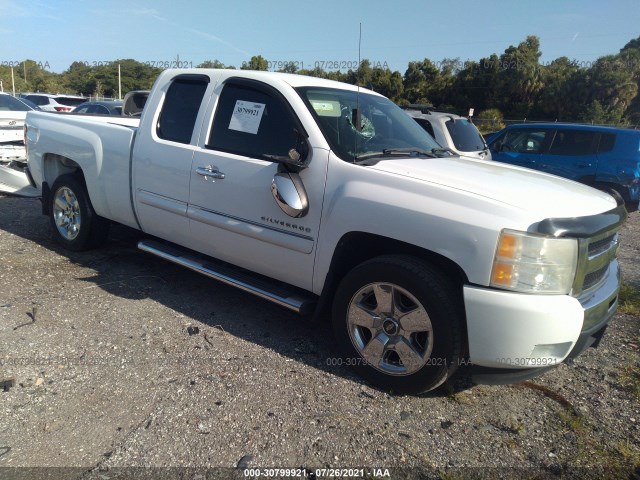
(263, 287)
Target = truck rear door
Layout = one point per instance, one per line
(572, 154)
(163, 153)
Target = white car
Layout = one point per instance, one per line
(55, 103)
(323, 197)
(12, 150)
(452, 131)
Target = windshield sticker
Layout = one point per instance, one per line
(246, 116)
(326, 108)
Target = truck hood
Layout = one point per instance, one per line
(540, 194)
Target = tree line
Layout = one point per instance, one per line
(512, 85)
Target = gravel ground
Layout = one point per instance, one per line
(122, 360)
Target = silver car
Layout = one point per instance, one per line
(451, 131)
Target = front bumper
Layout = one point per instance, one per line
(514, 336)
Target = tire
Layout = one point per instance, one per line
(399, 323)
(75, 224)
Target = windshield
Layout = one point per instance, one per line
(384, 125)
(465, 135)
(7, 102)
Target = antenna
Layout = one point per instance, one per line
(359, 45)
(359, 70)
(356, 116)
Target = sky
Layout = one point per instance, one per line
(321, 33)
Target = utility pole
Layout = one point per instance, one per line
(13, 83)
(119, 83)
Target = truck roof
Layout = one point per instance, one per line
(293, 79)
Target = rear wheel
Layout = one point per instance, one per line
(75, 223)
(398, 322)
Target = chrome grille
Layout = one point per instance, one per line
(593, 278)
(601, 245)
(595, 256)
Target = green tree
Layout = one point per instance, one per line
(597, 113)
(562, 79)
(420, 80)
(79, 78)
(489, 120)
(19, 82)
(214, 64)
(635, 43)
(289, 67)
(519, 81)
(630, 58)
(613, 86)
(387, 83)
(316, 72)
(475, 85)
(257, 62)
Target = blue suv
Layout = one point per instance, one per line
(604, 157)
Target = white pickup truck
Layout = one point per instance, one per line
(314, 194)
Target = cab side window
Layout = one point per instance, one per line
(524, 141)
(253, 122)
(180, 108)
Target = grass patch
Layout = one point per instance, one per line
(629, 378)
(621, 460)
(629, 300)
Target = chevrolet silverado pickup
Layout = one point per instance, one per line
(325, 197)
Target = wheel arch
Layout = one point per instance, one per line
(355, 248)
(619, 192)
(74, 221)
(53, 167)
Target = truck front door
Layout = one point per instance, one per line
(233, 214)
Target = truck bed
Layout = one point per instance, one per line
(100, 145)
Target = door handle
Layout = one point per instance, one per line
(210, 171)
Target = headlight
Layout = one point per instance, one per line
(534, 264)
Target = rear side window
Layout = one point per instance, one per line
(572, 142)
(38, 99)
(465, 135)
(180, 109)
(607, 141)
(253, 122)
(70, 101)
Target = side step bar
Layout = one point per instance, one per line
(276, 292)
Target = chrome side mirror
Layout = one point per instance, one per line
(289, 193)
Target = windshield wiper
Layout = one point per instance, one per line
(442, 151)
(395, 152)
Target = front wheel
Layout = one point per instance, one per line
(75, 224)
(398, 322)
